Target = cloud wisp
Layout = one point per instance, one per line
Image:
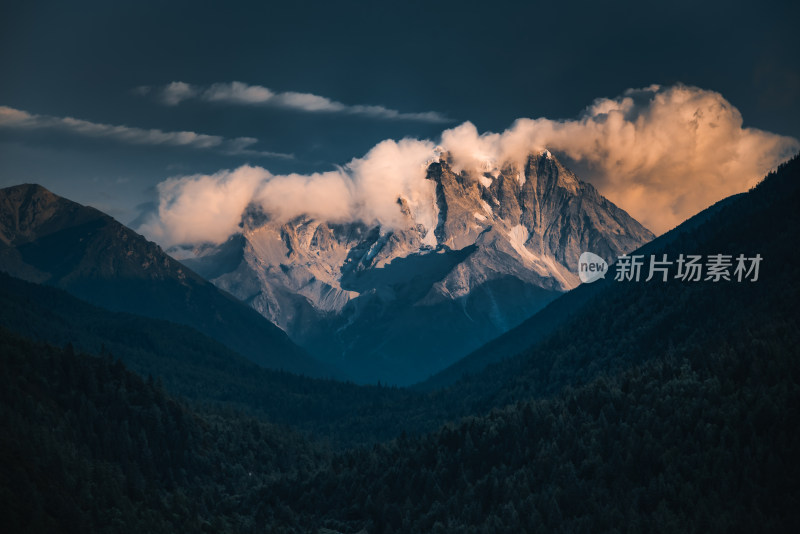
(11, 118)
(242, 94)
(661, 153)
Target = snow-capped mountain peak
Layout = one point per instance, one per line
(486, 249)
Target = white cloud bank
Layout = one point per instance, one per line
(11, 118)
(209, 208)
(239, 93)
(662, 154)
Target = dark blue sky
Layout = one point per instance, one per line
(487, 62)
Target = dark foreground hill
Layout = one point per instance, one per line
(657, 407)
(48, 239)
(208, 373)
(670, 407)
(539, 326)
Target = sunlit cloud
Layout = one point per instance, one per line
(209, 208)
(661, 153)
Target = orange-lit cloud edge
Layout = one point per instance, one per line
(661, 153)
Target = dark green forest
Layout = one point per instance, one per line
(88, 446)
(652, 407)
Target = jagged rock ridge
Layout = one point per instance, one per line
(396, 304)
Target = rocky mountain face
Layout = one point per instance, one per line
(50, 240)
(397, 304)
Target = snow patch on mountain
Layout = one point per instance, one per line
(518, 237)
